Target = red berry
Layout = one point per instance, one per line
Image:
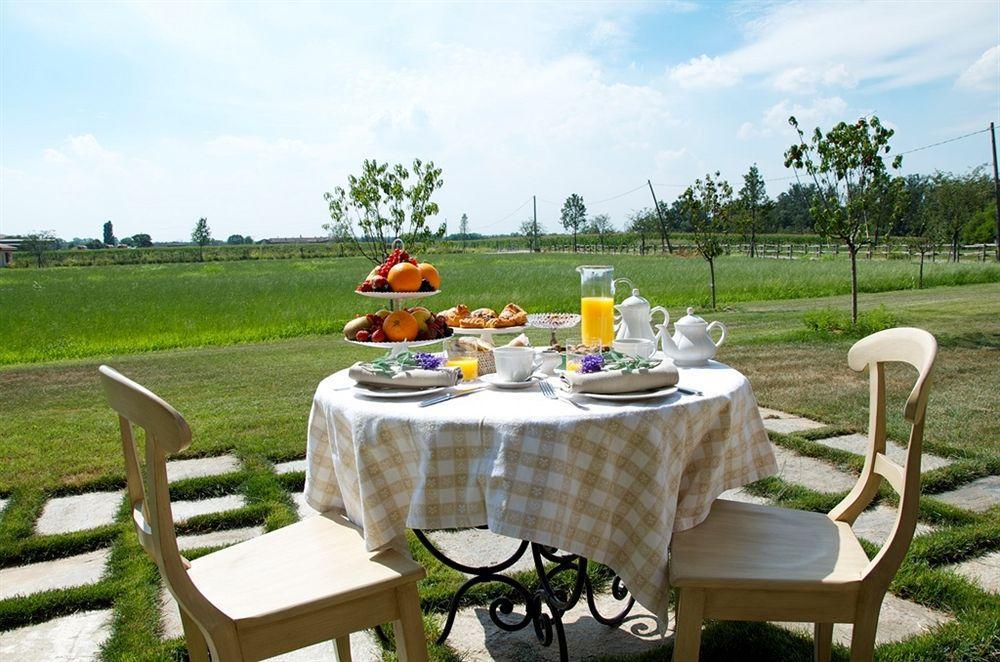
(378, 336)
(362, 336)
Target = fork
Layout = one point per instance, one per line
(550, 393)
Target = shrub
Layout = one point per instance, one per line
(831, 322)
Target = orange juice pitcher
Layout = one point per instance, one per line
(597, 301)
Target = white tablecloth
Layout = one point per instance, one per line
(611, 483)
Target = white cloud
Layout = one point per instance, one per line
(50, 155)
(984, 73)
(805, 80)
(705, 72)
(87, 147)
(821, 112)
(747, 131)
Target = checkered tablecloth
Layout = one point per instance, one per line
(611, 483)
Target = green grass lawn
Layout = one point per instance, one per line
(253, 399)
(61, 313)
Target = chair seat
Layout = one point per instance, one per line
(313, 564)
(747, 546)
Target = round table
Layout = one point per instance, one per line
(609, 483)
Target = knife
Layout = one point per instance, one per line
(450, 396)
(689, 391)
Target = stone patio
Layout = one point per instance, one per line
(983, 570)
(78, 512)
(185, 510)
(290, 467)
(791, 424)
(64, 639)
(858, 444)
(813, 473)
(57, 574)
(978, 496)
(875, 525)
(218, 538)
(201, 467)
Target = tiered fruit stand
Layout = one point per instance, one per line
(397, 301)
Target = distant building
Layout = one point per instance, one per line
(6, 255)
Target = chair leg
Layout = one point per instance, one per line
(411, 644)
(687, 630)
(863, 638)
(823, 641)
(196, 644)
(343, 645)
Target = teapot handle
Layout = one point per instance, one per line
(659, 309)
(720, 325)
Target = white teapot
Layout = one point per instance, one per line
(636, 317)
(692, 343)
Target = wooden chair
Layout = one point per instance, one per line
(756, 563)
(299, 585)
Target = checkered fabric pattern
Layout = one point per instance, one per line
(611, 483)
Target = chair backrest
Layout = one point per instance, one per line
(917, 348)
(166, 432)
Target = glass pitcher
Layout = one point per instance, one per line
(597, 301)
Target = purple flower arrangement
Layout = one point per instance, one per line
(428, 361)
(592, 363)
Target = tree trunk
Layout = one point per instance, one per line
(574, 240)
(753, 242)
(854, 282)
(920, 284)
(711, 269)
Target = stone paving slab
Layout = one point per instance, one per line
(218, 538)
(875, 524)
(858, 444)
(774, 413)
(290, 467)
(810, 472)
(741, 495)
(58, 574)
(979, 495)
(201, 466)
(476, 637)
(364, 648)
(789, 425)
(898, 620)
(304, 509)
(984, 570)
(478, 547)
(73, 638)
(78, 512)
(185, 510)
(3, 504)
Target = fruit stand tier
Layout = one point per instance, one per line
(395, 347)
(488, 333)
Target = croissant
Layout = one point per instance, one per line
(512, 315)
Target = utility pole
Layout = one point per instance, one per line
(534, 223)
(996, 186)
(663, 225)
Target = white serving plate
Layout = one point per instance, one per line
(625, 397)
(394, 347)
(387, 393)
(398, 295)
(481, 332)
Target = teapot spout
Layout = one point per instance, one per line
(666, 342)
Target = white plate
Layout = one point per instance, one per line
(398, 295)
(639, 395)
(470, 332)
(387, 393)
(493, 379)
(395, 345)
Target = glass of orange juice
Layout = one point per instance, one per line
(576, 349)
(597, 304)
(464, 357)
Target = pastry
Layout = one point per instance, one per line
(479, 318)
(453, 316)
(512, 315)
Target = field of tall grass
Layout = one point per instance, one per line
(64, 313)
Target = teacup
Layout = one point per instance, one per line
(515, 364)
(642, 348)
(549, 360)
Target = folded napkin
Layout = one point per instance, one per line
(619, 381)
(412, 378)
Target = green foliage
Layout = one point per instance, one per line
(384, 205)
(982, 226)
(830, 322)
(201, 235)
(754, 207)
(109, 234)
(573, 215)
(38, 244)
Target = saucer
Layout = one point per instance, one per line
(494, 380)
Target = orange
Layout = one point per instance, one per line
(400, 326)
(430, 274)
(404, 277)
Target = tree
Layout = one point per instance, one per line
(644, 223)
(234, 239)
(385, 206)
(127, 241)
(531, 230)
(142, 240)
(109, 234)
(791, 209)
(37, 244)
(201, 235)
(463, 227)
(573, 215)
(708, 206)
(601, 224)
(753, 207)
(849, 172)
(956, 199)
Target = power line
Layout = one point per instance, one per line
(620, 195)
(488, 225)
(943, 142)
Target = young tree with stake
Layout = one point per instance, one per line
(201, 235)
(574, 215)
(707, 206)
(850, 174)
(754, 205)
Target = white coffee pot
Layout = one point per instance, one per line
(635, 317)
(692, 342)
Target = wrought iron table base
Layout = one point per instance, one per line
(547, 626)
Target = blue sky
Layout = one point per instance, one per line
(153, 115)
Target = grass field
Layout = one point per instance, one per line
(62, 313)
(253, 399)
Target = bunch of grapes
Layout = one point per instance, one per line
(374, 333)
(397, 256)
